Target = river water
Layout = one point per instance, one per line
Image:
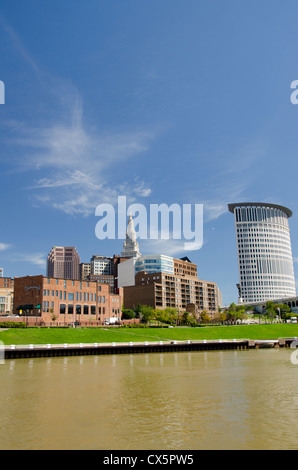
(175, 401)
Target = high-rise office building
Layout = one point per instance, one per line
(265, 258)
(63, 263)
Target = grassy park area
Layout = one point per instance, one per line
(25, 336)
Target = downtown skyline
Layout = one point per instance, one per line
(161, 103)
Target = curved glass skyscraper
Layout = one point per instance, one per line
(265, 258)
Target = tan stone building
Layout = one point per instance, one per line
(6, 295)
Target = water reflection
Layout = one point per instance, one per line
(197, 400)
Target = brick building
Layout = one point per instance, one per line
(104, 279)
(184, 267)
(64, 300)
(161, 290)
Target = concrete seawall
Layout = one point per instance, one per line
(56, 350)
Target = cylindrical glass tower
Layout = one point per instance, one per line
(265, 258)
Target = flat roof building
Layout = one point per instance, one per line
(265, 260)
(65, 300)
(161, 290)
(63, 262)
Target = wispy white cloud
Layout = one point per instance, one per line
(74, 165)
(71, 164)
(38, 259)
(214, 209)
(141, 189)
(18, 44)
(166, 247)
(4, 246)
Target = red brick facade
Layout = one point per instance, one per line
(65, 301)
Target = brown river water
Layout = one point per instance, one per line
(176, 401)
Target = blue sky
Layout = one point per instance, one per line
(162, 101)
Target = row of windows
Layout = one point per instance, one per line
(261, 229)
(77, 309)
(72, 283)
(261, 214)
(85, 296)
(266, 282)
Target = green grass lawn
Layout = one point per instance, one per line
(117, 335)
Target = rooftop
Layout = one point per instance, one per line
(231, 207)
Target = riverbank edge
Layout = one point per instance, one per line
(58, 350)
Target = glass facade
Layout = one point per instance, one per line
(155, 264)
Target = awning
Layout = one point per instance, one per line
(28, 307)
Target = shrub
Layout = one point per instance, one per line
(12, 324)
(135, 325)
(127, 314)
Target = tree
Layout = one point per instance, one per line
(146, 313)
(128, 314)
(236, 312)
(171, 315)
(232, 313)
(220, 317)
(185, 318)
(137, 310)
(271, 310)
(168, 315)
(284, 310)
(205, 317)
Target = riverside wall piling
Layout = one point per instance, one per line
(54, 350)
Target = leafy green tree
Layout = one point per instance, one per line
(284, 310)
(128, 314)
(137, 310)
(271, 310)
(205, 317)
(171, 315)
(159, 316)
(235, 312)
(186, 318)
(146, 313)
(220, 317)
